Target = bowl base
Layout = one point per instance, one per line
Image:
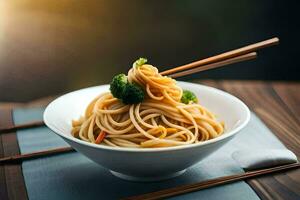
(146, 179)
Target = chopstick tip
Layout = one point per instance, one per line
(253, 54)
(276, 40)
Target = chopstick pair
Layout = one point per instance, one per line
(233, 56)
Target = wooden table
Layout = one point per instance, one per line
(276, 103)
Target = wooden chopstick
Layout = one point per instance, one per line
(241, 58)
(37, 154)
(22, 126)
(224, 56)
(210, 183)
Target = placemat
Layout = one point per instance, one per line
(73, 176)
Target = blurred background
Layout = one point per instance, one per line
(50, 47)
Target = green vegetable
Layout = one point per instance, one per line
(118, 84)
(188, 97)
(128, 93)
(140, 62)
(133, 94)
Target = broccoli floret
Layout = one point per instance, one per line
(132, 94)
(118, 84)
(140, 62)
(129, 93)
(188, 96)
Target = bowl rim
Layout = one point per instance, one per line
(158, 149)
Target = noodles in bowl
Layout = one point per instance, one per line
(156, 162)
(146, 110)
(147, 127)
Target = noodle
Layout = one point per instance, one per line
(161, 120)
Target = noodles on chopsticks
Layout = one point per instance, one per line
(160, 120)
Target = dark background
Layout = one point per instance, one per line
(53, 46)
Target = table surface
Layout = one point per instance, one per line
(276, 103)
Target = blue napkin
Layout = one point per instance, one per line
(73, 176)
(251, 159)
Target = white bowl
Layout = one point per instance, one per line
(147, 164)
